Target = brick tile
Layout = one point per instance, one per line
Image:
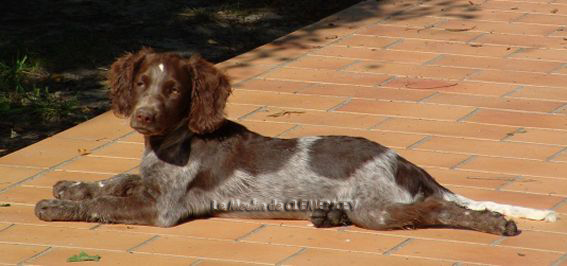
(101, 165)
(108, 127)
(519, 119)
(69, 237)
(201, 228)
(447, 234)
(268, 54)
(14, 253)
(58, 256)
(313, 237)
(517, 167)
(136, 137)
(385, 138)
(286, 100)
(417, 33)
(541, 54)
(415, 71)
(431, 111)
(499, 27)
(486, 14)
(507, 197)
(121, 150)
(413, 21)
(321, 62)
(327, 76)
(366, 41)
(376, 54)
(537, 240)
(436, 159)
(49, 152)
(533, 135)
(11, 175)
(271, 85)
(240, 72)
(229, 250)
(234, 110)
(446, 47)
(521, 78)
(523, 41)
(266, 128)
(335, 257)
(469, 253)
(25, 195)
(562, 157)
(276, 222)
(465, 87)
(224, 262)
(49, 179)
(298, 116)
(525, 7)
(549, 19)
(451, 177)
(382, 93)
(497, 63)
(556, 94)
(489, 148)
(541, 185)
(442, 128)
(495, 102)
(22, 214)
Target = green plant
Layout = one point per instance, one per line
(20, 96)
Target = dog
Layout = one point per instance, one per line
(197, 163)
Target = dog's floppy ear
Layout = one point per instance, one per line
(121, 78)
(210, 89)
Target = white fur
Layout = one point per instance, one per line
(508, 210)
(160, 67)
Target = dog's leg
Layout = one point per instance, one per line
(432, 212)
(120, 185)
(138, 208)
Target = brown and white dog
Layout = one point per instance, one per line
(197, 164)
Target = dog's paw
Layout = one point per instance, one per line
(72, 190)
(57, 210)
(329, 218)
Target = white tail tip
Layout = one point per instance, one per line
(505, 209)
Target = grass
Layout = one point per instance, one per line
(21, 97)
(53, 57)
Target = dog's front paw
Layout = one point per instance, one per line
(57, 210)
(72, 190)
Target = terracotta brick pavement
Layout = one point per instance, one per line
(474, 91)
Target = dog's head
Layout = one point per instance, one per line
(160, 90)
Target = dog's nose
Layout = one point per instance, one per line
(145, 115)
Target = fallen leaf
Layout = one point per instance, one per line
(5, 205)
(331, 37)
(521, 130)
(554, 11)
(476, 45)
(412, 86)
(83, 151)
(471, 3)
(83, 256)
(284, 113)
(460, 29)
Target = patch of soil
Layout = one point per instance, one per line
(74, 41)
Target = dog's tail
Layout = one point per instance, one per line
(508, 210)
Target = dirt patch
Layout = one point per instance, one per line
(70, 43)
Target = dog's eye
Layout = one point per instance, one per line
(174, 90)
(140, 84)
